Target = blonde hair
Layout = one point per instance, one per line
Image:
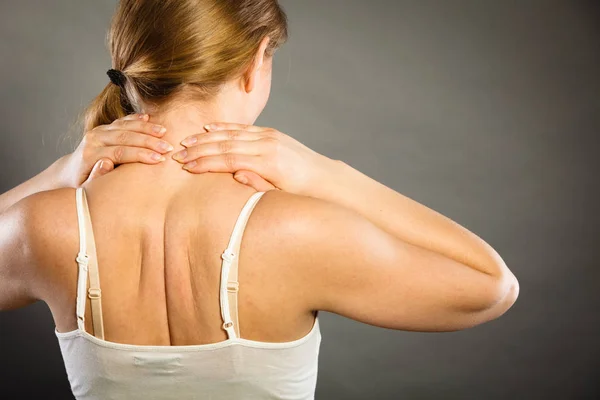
(165, 47)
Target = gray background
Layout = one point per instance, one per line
(486, 111)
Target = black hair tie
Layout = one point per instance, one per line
(117, 77)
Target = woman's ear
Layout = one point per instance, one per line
(254, 71)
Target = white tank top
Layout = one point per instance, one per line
(235, 368)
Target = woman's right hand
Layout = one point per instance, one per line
(130, 139)
(268, 158)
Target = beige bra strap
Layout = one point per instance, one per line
(94, 292)
(235, 246)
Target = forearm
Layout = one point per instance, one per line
(48, 179)
(407, 219)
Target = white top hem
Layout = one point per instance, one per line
(195, 347)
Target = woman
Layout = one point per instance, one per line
(152, 289)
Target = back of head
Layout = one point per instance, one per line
(169, 48)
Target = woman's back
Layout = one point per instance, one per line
(159, 258)
(159, 263)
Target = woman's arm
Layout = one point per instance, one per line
(48, 179)
(408, 220)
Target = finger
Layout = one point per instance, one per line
(253, 180)
(137, 125)
(130, 117)
(218, 136)
(227, 163)
(128, 154)
(133, 117)
(224, 147)
(217, 126)
(133, 139)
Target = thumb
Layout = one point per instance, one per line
(102, 167)
(241, 178)
(254, 180)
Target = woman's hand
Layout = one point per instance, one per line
(130, 139)
(267, 158)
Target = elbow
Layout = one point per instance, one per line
(503, 294)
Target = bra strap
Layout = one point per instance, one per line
(229, 270)
(88, 261)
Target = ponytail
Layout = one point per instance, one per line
(108, 106)
(163, 48)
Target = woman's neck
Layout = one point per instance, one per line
(189, 118)
(182, 121)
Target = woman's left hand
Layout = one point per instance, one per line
(130, 139)
(267, 158)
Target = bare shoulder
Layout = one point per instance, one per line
(283, 218)
(332, 254)
(51, 222)
(294, 213)
(51, 212)
(23, 229)
(48, 201)
(47, 213)
(286, 235)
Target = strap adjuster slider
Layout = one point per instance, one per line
(233, 286)
(83, 258)
(228, 255)
(94, 293)
(227, 325)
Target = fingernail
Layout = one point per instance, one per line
(191, 164)
(159, 129)
(208, 127)
(180, 155)
(188, 141)
(157, 157)
(242, 178)
(165, 146)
